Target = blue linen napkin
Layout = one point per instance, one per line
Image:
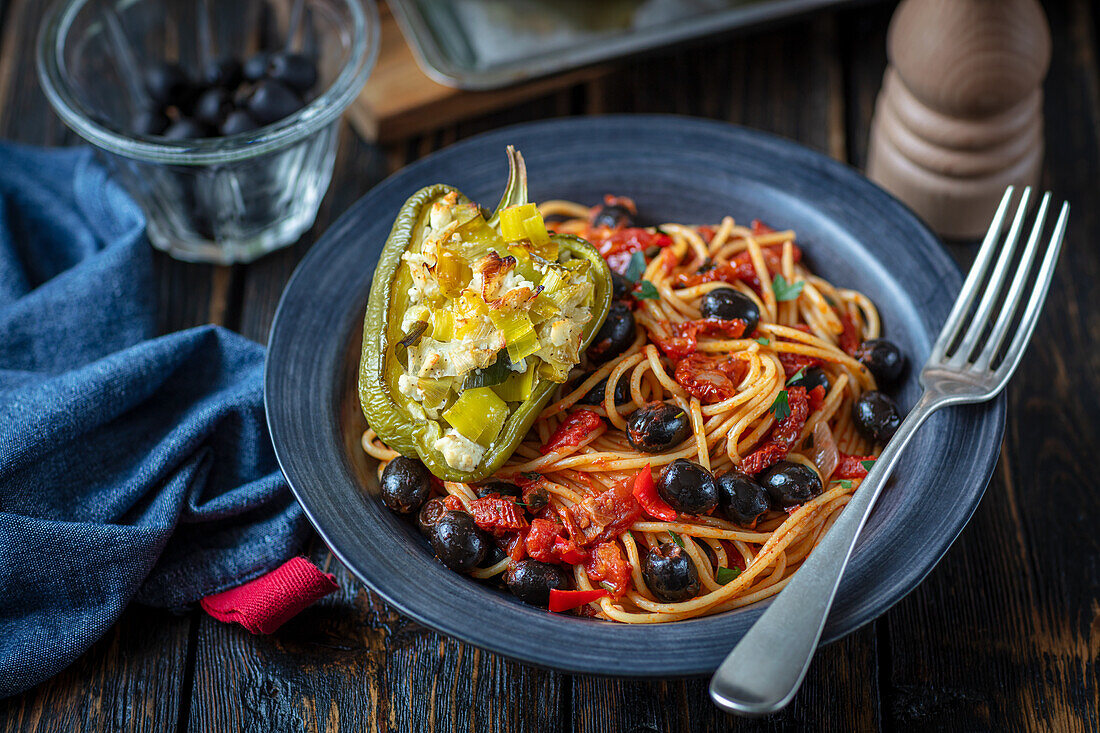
(132, 468)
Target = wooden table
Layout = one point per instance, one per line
(1003, 635)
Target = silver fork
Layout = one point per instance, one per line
(765, 669)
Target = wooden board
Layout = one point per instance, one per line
(400, 100)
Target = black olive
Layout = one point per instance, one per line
(742, 500)
(429, 514)
(493, 555)
(503, 488)
(212, 106)
(687, 487)
(271, 101)
(186, 128)
(167, 84)
(670, 574)
(657, 426)
(294, 70)
(790, 484)
(595, 395)
(727, 304)
(225, 72)
(877, 416)
(620, 286)
(237, 122)
(615, 335)
(883, 359)
(406, 484)
(613, 216)
(458, 542)
(812, 377)
(149, 122)
(255, 67)
(531, 581)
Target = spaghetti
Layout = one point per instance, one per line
(743, 406)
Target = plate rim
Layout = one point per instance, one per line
(993, 422)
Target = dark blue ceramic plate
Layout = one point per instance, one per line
(676, 169)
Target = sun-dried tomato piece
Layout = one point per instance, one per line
(783, 436)
(606, 563)
(497, 514)
(793, 362)
(851, 466)
(849, 337)
(710, 379)
(572, 431)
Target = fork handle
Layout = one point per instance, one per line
(765, 669)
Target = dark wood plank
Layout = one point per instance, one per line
(128, 681)
(1003, 634)
(132, 679)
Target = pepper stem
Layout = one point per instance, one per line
(515, 193)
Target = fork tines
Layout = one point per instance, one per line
(971, 338)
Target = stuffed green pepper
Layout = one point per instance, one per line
(471, 324)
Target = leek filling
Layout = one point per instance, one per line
(488, 312)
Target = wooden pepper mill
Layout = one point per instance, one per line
(959, 116)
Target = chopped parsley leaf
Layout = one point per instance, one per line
(781, 408)
(725, 575)
(646, 291)
(786, 291)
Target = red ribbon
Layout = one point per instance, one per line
(266, 603)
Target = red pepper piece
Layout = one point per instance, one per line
(567, 600)
(783, 436)
(453, 503)
(572, 430)
(851, 466)
(567, 551)
(497, 514)
(646, 493)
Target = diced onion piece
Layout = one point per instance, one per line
(825, 455)
(478, 415)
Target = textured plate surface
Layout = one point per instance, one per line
(677, 169)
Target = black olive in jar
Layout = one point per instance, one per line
(728, 304)
(406, 483)
(687, 487)
(741, 499)
(531, 581)
(670, 574)
(432, 511)
(657, 426)
(876, 416)
(883, 359)
(615, 335)
(503, 488)
(458, 542)
(790, 484)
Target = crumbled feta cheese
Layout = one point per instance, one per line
(460, 452)
(410, 387)
(440, 216)
(512, 281)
